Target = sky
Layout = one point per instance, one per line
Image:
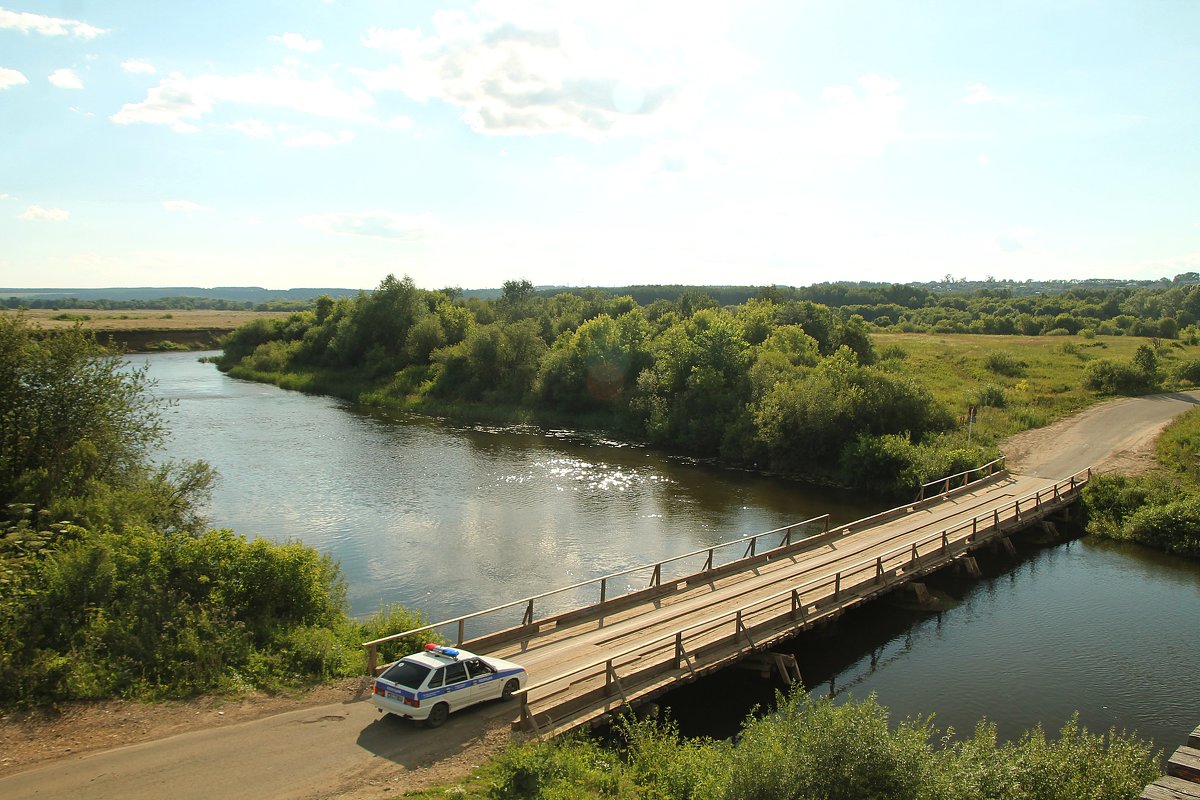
(328, 143)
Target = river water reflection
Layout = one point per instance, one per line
(450, 519)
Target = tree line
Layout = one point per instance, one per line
(1028, 308)
(784, 385)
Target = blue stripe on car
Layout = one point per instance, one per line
(395, 689)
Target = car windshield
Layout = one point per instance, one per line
(406, 673)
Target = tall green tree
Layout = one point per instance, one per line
(70, 413)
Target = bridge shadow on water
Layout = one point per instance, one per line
(865, 638)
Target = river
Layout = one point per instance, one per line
(450, 518)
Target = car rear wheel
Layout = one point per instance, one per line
(437, 716)
(510, 688)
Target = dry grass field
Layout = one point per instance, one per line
(157, 320)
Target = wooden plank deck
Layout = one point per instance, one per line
(1170, 788)
(1185, 763)
(1182, 781)
(588, 663)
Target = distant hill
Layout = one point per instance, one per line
(829, 293)
(239, 294)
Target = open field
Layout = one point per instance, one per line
(159, 320)
(1018, 382)
(148, 330)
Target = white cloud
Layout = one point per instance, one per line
(319, 139)
(254, 128)
(65, 79)
(375, 224)
(856, 122)
(978, 93)
(137, 66)
(184, 206)
(1172, 266)
(295, 41)
(983, 159)
(25, 22)
(293, 135)
(178, 100)
(11, 77)
(39, 214)
(528, 68)
(1018, 240)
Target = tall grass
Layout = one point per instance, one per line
(817, 749)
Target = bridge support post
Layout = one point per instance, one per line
(972, 567)
(1008, 546)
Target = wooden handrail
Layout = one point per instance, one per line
(874, 562)
(997, 465)
(603, 580)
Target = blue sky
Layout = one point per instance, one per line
(292, 143)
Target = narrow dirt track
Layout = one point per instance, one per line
(345, 750)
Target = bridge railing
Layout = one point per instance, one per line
(944, 485)
(609, 588)
(670, 651)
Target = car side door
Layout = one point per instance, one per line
(459, 691)
(484, 678)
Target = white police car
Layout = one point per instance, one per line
(430, 684)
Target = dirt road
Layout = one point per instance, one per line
(1118, 435)
(346, 750)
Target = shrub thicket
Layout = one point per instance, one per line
(1160, 509)
(787, 385)
(823, 750)
(109, 584)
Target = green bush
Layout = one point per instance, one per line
(816, 748)
(142, 613)
(1173, 527)
(1078, 765)
(887, 464)
(1156, 510)
(1188, 372)
(991, 396)
(560, 769)
(1005, 364)
(1107, 376)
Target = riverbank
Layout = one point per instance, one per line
(442, 759)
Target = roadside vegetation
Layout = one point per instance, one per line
(1160, 509)
(821, 750)
(110, 583)
(845, 394)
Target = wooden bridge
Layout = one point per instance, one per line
(653, 626)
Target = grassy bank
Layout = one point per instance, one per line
(819, 749)
(1160, 509)
(110, 583)
(1022, 382)
(1014, 383)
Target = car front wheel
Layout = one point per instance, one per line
(510, 688)
(437, 716)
